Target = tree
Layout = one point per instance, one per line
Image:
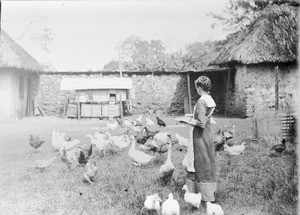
(137, 54)
(240, 13)
(112, 65)
(38, 30)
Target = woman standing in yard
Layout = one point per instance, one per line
(200, 158)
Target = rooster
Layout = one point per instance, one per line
(83, 158)
(35, 141)
(160, 122)
(219, 141)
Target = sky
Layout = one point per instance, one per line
(86, 33)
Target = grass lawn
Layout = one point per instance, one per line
(253, 183)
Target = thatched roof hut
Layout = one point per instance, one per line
(14, 56)
(272, 37)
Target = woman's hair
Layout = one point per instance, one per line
(203, 82)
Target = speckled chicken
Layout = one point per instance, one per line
(90, 171)
(35, 141)
(68, 157)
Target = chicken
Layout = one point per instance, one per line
(35, 141)
(68, 157)
(138, 157)
(142, 136)
(192, 198)
(120, 141)
(43, 164)
(83, 158)
(112, 126)
(219, 141)
(229, 133)
(101, 143)
(58, 141)
(125, 123)
(160, 122)
(235, 150)
(181, 140)
(152, 203)
(149, 122)
(90, 171)
(214, 209)
(276, 150)
(139, 119)
(170, 206)
(167, 169)
(155, 145)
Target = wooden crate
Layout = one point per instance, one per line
(91, 110)
(72, 110)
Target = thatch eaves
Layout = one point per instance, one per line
(272, 37)
(13, 55)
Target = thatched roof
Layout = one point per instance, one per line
(13, 55)
(272, 37)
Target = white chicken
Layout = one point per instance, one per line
(162, 137)
(112, 126)
(193, 199)
(235, 150)
(166, 170)
(139, 158)
(58, 141)
(149, 122)
(181, 140)
(170, 206)
(120, 141)
(101, 143)
(139, 119)
(214, 209)
(152, 203)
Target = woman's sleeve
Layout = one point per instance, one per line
(200, 115)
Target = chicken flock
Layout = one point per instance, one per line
(148, 141)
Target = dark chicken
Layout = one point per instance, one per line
(35, 141)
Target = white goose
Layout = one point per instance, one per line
(170, 206)
(214, 209)
(192, 198)
(139, 158)
(167, 169)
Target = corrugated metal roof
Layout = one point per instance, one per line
(95, 83)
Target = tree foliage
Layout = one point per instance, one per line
(240, 13)
(38, 30)
(137, 54)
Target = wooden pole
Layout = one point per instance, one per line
(78, 110)
(65, 106)
(276, 88)
(227, 92)
(189, 92)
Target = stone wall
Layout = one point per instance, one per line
(163, 92)
(255, 88)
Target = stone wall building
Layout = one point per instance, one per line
(263, 59)
(18, 80)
